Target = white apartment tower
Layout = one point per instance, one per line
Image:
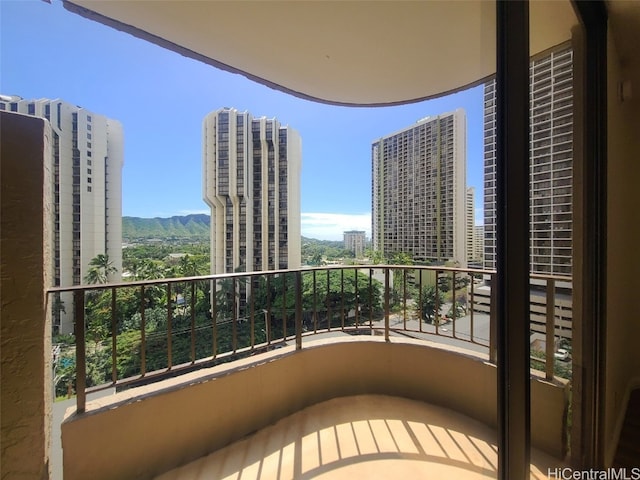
(551, 164)
(470, 223)
(86, 162)
(478, 244)
(251, 182)
(355, 241)
(419, 190)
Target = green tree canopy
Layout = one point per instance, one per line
(100, 267)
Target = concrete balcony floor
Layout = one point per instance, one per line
(366, 436)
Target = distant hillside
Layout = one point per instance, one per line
(182, 227)
(306, 241)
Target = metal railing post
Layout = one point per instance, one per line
(386, 304)
(470, 302)
(298, 287)
(436, 312)
(114, 337)
(268, 314)
(420, 312)
(341, 298)
(252, 312)
(81, 357)
(493, 349)
(234, 316)
(284, 306)
(214, 317)
(193, 321)
(404, 298)
(169, 328)
(143, 338)
(550, 329)
(328, 302)
(315, 304)
(454, 314)
(357, 312)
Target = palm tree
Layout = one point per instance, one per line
(100, 267)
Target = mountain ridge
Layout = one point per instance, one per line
(195, 227)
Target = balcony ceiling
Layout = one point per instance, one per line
(355, 52)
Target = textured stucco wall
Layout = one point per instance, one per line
(149, 430)
(25, 329)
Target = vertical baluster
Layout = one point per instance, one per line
(193, 321)
(550, 328)
(342, 298)
(315, 304)
(454, 313)
(214, 318)
(284, 306)
(470, 305)
(298, 314)
(169, 328)
(143, 337)
(234, 316)
(114, 337)
(386, 304)
(81, 356)
(436, 314)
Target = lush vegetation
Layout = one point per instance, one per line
(168, 315)
(321, 252)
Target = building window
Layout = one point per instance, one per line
(88, 153)
(32, 109)
(88, 135)
(88, 171)
(89, 188)
(89, 127)
(89, 180)
(14, 107)
(88, 118)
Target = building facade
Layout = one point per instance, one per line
(478, 245)
(470, 205)
(86, 161)
(551, 164)
(419, 190)
(251, 176)
(355, 241)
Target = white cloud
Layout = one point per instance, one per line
(330, 226)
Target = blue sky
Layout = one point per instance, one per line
(161, 99)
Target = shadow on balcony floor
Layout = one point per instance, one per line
(367, 436)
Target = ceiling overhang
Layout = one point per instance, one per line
(351, 52)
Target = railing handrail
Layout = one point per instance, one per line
(219, 276)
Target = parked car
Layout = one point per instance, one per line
(561, 354)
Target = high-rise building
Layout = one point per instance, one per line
(355, 241)
(551, 159)
(478, 244)
(470, 222)
(251, 175)
(419, 190)
(86, 214)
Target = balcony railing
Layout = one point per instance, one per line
(138, 332)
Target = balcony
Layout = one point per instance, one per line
(234, 354)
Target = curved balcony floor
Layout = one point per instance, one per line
(364, 436)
